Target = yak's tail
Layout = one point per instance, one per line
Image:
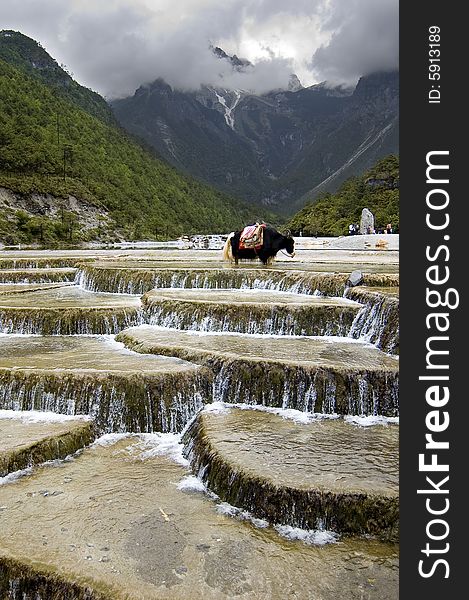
(227, 250)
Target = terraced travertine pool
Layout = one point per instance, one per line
(67, 310)
(173, 427)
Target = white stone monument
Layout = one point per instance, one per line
(367, 222)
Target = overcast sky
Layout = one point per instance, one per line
(116, 45)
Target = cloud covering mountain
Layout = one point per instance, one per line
(115, 46)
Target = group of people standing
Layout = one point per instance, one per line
(354, 229)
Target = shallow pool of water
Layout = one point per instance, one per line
(313, 351)
(257, 296)
(80, 353)
(67, 297)
(115, 520)
(327, 454)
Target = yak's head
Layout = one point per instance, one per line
(290, 245)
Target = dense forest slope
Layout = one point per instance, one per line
(331, 214)
(29, 56)
(62, 157)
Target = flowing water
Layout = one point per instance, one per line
(114, 520)
(311, 374)
(250, 311)
(138, 279)
(37, 275)
(29, 438)
(68, 310)
(326, 473)
(341, 353)
(378, 321)
(119, 389)
(127, 518)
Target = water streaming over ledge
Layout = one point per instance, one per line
(141, 280)
(249, 311)
(326, 474)
(120, 390)
(123, 391)
(329, 375)
(69, 322)
(378, 321)
(30, 263)
(68, 310)
(37, 276)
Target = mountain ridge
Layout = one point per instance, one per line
(278, 149)
(28, 55)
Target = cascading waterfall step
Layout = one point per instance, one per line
(324, 473)
(211, 260)
(124, 520)
(378, 321)
(30, 438)
(137, 278)
(121, 390)
(250, 311)
(314, 374)
(68, 310)
(37, 275)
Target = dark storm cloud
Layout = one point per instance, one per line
(365, 36)
(117, 45)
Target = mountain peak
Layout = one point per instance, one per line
(271, 149)
(22, 51)
(294, 84)
(332, 91)
(237, 63)
(369, 85)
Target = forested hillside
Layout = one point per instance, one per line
(66, 146)
(29, 56)
(331, 214)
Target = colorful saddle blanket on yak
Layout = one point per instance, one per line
(252, 237)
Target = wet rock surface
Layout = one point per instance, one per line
(123, 529)
(21, 288)
(127, 518)
(28, 439)
(326, 473)
(250, 311)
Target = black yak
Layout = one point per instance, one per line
(257, 241)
